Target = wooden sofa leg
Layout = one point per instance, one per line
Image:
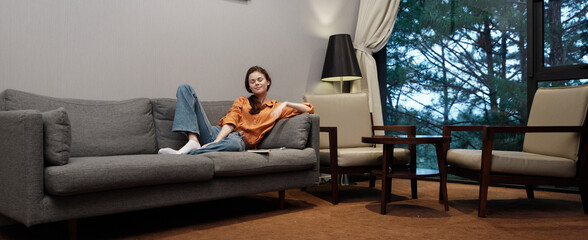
(282, 198)
(530, 193)
(72, 225)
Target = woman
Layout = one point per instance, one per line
(246, 123)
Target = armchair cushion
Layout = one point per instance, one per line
(364, 156)
(512, 162)
(557, 107)
(348, 112)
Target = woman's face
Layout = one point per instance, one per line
(257, 83)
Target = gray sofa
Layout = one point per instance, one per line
(64, 159)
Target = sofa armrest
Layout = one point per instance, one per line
(21, 163)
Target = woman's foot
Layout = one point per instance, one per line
(167, 151)
(191, 145)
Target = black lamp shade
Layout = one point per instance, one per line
(340, 61)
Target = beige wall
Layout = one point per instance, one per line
(119, 49)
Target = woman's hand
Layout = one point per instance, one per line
(298, 106)
(205, 145)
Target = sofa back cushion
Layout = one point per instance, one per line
(98, 128)
(56, 137)
(163, 115)
(289, 133)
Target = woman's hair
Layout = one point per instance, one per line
(255, 105)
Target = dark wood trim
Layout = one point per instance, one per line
(72, 226)
(536, 70)
(485, 177)
(282, 198)
(335, 170)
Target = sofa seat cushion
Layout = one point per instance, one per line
(92, 174)
(514, 162)
(231, 164)
(364, 156)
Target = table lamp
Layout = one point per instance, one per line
(340, 61)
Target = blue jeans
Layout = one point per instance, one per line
(190, 117)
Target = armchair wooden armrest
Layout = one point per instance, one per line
(513, 129)
(332, 131)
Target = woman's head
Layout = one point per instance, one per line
(257, 80)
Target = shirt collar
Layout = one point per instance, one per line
(269, 103)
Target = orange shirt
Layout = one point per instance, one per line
(254, 127)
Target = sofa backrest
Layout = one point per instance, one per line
(98, 128)
(163, 115)
(2, 94)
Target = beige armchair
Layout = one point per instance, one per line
(554, 149)
(344, 119)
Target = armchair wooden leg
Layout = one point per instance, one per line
(72, 225)
(413, 188)
(483, 197)
(530, 193)
(372, 181)
(335, 188)
(282, 198)
(584, 197)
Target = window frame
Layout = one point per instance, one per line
(537, 71)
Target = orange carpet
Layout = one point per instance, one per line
(310, 215)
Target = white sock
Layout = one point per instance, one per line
(167, 151)
(191, 145)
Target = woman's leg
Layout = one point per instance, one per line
(232, 143)
(190, 119)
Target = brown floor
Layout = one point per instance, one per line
(309, 215)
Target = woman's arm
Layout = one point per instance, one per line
(224, 132)
(298, 106)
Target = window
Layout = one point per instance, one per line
(565, 32)
(558, 49)
(466, 62)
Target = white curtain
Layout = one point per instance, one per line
(374, 26)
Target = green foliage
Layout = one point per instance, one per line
(463, 62)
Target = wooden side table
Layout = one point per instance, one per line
(387, 173)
